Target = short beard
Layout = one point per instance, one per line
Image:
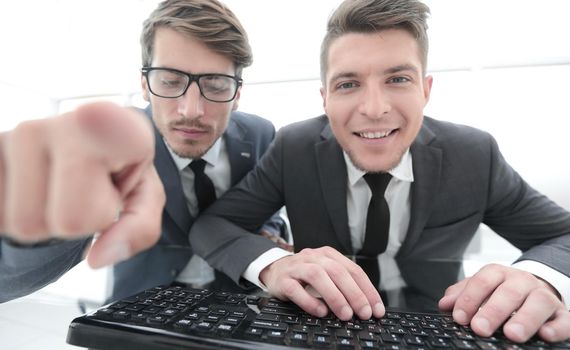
(360, 167)
(191, 152)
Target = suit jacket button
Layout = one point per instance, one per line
(174, 272)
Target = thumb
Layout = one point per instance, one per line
(98, 152)
(123, 138)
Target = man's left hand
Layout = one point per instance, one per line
(500, 295)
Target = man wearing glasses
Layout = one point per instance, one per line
(203, 146)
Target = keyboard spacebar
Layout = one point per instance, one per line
(278, 326)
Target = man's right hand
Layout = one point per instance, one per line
(87, 171)
(316, 278)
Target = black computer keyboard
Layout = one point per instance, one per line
(176, 317)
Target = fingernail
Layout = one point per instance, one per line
(517, 329)
(549, 332)
(345, 313)
(365, 312)
(460, 316)
(112, 255)
(322, 311)
(379, 310)
(483, 324)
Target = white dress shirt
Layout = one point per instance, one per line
(197, 272)
(399, 202)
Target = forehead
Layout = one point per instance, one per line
(181, 51)
(362, 53)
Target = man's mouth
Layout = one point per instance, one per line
(191, 130)
(375, 134)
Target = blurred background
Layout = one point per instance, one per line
(502, 66)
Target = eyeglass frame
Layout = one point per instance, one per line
(191, 78)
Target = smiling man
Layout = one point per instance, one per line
(443, 180)
(369, 78)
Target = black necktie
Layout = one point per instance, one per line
(203, 186)
(377, 226)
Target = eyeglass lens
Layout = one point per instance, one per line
(167, 83)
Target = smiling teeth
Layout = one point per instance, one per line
(375, 135)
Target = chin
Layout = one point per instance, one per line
(373, 163)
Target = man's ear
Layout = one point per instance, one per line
(144, 89)
(236, 100)
(324, 97)
(428, 81)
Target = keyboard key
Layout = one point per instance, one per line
(391, 338)
(320, 340)
(252, 331)
(276, 334)
(183, 324)
(225, 328)
(464, 344)
(203, 326)
(121, 315)
(345, 343)
(298, 337)
(277, 326)
(232, 320)
(369, 344)
(157, 319)
(268, 317)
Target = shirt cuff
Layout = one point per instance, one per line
(558, 280)
(254, 269)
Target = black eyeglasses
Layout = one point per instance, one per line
(172, 83)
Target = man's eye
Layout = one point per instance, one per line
(170, 83)
(398, 80)
(216, 85)
(347, 85)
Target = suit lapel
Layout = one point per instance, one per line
(168, 173)
(426, 161)
(333, 179)
(240, 151)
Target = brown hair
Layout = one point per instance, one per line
(369, 16)
(209, 21)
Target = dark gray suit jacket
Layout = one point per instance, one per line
(460, 181)
(24, 270)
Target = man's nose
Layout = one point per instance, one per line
(375, 102)
(191, 104)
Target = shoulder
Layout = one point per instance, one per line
(458, 144)
(450, 134)
(306, 129)
(250, 121)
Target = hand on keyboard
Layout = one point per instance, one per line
(342, 284)
(498, 295)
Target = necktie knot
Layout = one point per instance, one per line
(197, 166)
(378, 182)
(203, 186)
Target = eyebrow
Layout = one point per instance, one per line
(392, 70)
(342, 75)
(400, 68)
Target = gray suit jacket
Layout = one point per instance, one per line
(461, 180)
(24, 269)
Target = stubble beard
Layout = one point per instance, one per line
(191, 149)
(354, 160)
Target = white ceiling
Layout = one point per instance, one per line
(66, 48)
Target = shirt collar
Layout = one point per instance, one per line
(212, 156)
(403, 171)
